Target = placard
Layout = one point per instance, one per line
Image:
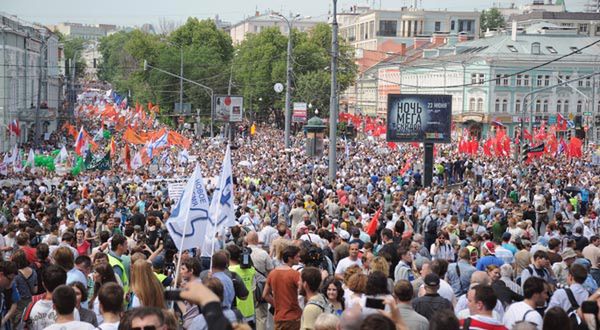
(419, 118)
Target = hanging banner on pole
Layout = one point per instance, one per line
(419, 118)
(229, 108)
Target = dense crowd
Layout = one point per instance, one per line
(492, 244)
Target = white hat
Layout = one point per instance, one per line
(344, 235)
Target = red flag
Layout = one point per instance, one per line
(527, 135)
(574, 148)
(405, 168)
(391, 145)
(113, 147)
(127, 156)
(374, 223)
(487, 147)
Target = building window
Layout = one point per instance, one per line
(498, 79)
(480, 104)
(540, 80)
(547, 80)
(535, 48)
(575, 50)
(472, 104)
(583, 28)
(545, 106)
(551, 49)
(566, 106)
(558, 106)
(518, 105)
(438, 26)
(512, 48)
(588, 82)
(525, 80)
(505, 105)
(387, 28)
(522, 80)
(538, 106)
(497, 105)
(579, 106)
(452, 25)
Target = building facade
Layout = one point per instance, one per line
(489, 78)
(30, 54)
(258, 22)
(85, 31)
(366, 28)
(585, 23)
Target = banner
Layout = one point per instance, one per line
(229, 108)
(419, 118)
(299, 112)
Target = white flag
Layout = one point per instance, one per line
(31, 159)
(63, 155)
(222, 209)
(136, 162)
(18, 161)
(189, 221)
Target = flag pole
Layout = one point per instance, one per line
(215, 226)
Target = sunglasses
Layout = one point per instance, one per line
(148, 327)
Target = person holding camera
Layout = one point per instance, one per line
(240, 263)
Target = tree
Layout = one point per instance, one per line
(491, 19)
(207, 54)
(260, 62)
(73, 48)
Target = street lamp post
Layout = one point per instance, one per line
(333, 103)
(208, 89)
(288, 110)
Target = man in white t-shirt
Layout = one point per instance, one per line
(535, 292)
(64, 300)
(42, 314)
(351, 259)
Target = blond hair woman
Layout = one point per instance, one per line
(147, 290)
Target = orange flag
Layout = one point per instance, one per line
(71, 130)
(374, 223)
(132, 137)
(113, 147)
(175, 138)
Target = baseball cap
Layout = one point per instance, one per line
(506, 235)
(432, 279)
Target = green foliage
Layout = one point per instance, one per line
(207, 54)
(491, 19)
(73, 47)
(261, 61)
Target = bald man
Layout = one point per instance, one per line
(462, 309)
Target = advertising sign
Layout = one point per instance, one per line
(229, 108)
(419, 118)
(299, 112)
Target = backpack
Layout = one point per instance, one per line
(322, 304)
(576, 323)
(431, 225)
(258, 285)
(26, 321)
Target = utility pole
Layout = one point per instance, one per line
(333, 103)
(180, 79)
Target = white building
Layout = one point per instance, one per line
(367, 28)
(29, 52)
(85, 31)
(258, 22)
(585, 23)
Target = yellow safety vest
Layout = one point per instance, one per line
(245, 306)
(161, 277)
(114, 262)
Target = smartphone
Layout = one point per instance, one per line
(172, 295)
(376, 303)
(589, 307)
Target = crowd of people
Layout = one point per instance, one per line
(493, 244)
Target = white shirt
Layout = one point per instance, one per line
(516, 312)
(109, 326)
(74, 325)
(560, 298)
(345, 263)
(43, 315)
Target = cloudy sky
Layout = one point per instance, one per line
(137, 12)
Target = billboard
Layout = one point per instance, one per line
(299, 113)
(419, 118)
(229, 108)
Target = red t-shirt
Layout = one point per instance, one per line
(284, 285)
(82, 249)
